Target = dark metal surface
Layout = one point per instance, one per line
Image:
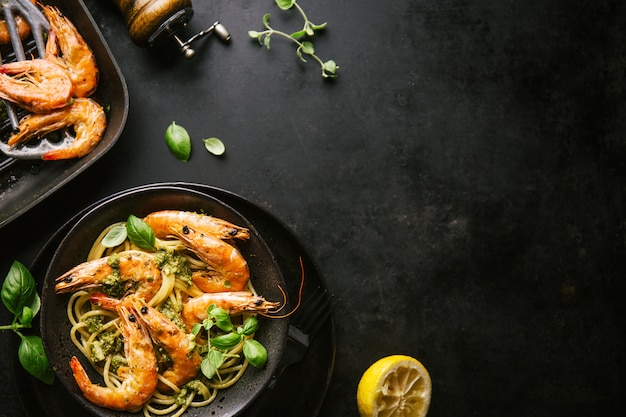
(460, 185)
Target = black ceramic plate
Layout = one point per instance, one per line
(302, 387)
(265, 274)
(24, 183)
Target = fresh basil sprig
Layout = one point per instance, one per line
(19, 296)
(304, 47)
(253, 350)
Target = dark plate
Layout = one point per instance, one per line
(24, 183)
(301, 389)
(264, 271)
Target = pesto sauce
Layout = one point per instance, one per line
(106, 344)
(170, 262)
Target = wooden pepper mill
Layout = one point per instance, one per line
(151, 22)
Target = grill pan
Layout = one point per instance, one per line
(25, 179)
(34, 46)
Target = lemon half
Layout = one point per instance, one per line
(394, 386)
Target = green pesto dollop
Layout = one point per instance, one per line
(94, 323)
(172, 263)
(113, 285)
(187, 389)
(107, 343)
(173, 312)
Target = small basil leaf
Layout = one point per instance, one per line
(226, 341)
(215, 146)
(298, 34)
(255, 352)
(19, 289)
(211, 363)
(196, 329)
(33, 358)
(250, 326)
(140, 233)
(115, 237)
(307, 48)
(285, 4)
(319, 27)
(178, 141)
(222, 319)
(26, 318)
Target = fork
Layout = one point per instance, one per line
(304, 325)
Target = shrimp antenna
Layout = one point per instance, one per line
(285, 297)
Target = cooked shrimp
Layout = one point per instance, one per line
(37, 85)
(67, 48)
(85, 116)
(195, 309)
(210, 281)
(137, 272)
(23, 30)
(139, 377)
(179, 347)
(162, 222)
(224, 260)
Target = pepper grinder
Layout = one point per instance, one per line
(152, 22)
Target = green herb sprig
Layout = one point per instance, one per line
(253, 350)
(19, 296)
(304, 47)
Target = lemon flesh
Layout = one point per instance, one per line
(394, 386)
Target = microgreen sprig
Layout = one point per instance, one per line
(19, 296)
(254, 351)
(304, 47)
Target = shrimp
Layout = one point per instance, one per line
(210, 281)
(38, 85)
(137, 272)
(21, 26)
(67, 48)
(224, 261)
(179, 347)
(139, 377)
(85, 116)
(162, 222)
(195, 309)
(23, 30)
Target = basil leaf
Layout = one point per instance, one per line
(115, 237)
(178, 141)
(33, 358)
(298, 34)
(226, 341)
(26, 318)
(285, 4)
(19, 290)
(222, 319)
(196, 329)
(211, 363)
(255, 352)
(140, 233)
(215, 146)
(250, 326)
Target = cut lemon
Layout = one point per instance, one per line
(394, 386)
